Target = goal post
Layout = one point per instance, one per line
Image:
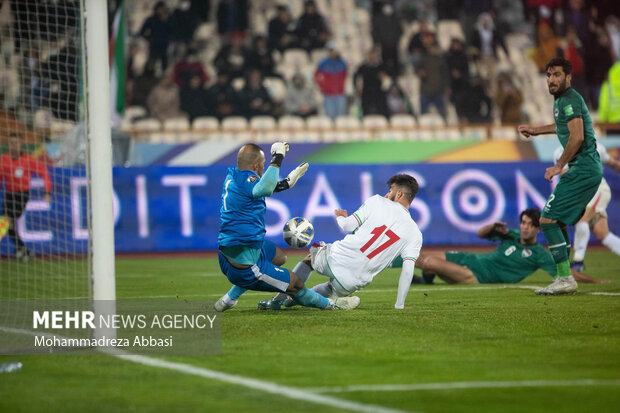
(100, 153)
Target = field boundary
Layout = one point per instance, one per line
(464, 385)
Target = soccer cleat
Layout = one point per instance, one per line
(222, 304)
(343, 303)
(578, 265)
(561, 285)
(428, 277)
(270, 304)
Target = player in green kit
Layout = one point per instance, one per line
(567, 203)
(517, 256)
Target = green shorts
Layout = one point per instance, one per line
(470, 260)
(570, 197)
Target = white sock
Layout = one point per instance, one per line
(324, 289)
(303, 271)
(582, 236)
(612, 242)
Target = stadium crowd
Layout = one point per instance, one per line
(191, 58)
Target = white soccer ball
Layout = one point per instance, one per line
(298, 232)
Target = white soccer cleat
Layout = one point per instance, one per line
(344, 303)
(561, 285)
(224, 304)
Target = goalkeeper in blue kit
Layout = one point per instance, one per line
(248, 260)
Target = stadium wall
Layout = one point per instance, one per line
(161, 208)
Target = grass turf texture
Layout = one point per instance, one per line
(460, 334)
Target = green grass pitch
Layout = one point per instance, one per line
(451, 335)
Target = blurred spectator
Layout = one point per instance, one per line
(397, 101)
(156, 30)
(448, 9)
(282, 30)
(61, 73)
(485, 40)
(433, 80)
(300, 97)
(222, 98)
(547, 46)
(194, 98)
(386, 32)
(472, 9)
(142, 85)
(367, 83)
(202, 9)
(612, 24)
(573, 53)
(183, 23)
(232, 18)
(598, 60)
(260, 58)
(232, 58)
(419, 42)
(330, 76)
(458, 66)
(255, 99)
(577, 16)
(609, 99)
(164, 101)
(473, 105)
(189, 67)
(509, 100)
(311, 29)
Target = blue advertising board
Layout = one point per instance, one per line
(161, 208)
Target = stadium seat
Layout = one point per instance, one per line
(291, 123)
(319, 122)
(374, 122)
(402, 122)
(295, 57)
(276, 88)
(504, 133)
(134, 112)
(433, 120)
(147, 125)
(234, 124)
(262, 123)
(179, 127)
(347, 123)
(206, 123)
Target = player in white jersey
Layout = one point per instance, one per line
(381, 230)
(595, 215)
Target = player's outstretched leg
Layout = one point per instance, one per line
(558, 240)
(582, 236)
(303, 271)
(229, 300)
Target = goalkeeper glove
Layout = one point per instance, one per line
(292, 178)
(278, 150)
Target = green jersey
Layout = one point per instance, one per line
(510, 262)
(566, 108)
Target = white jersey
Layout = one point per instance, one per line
(385, 231)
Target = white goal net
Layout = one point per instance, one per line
(44, 229)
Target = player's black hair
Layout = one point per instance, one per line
(407, 183)
(567, 67)
(533, 214)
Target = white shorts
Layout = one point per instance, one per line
(319, 260)
(601, 200)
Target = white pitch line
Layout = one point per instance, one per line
(602, 293)
(264, 386)
(465, 385)
(260, 385)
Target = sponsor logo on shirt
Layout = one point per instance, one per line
(252, 178)
(526, 253)
(568, 110)
(556, 112)
(510, 250)
(19, 172)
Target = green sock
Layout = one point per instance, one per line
(557, 247)
(567, 239)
